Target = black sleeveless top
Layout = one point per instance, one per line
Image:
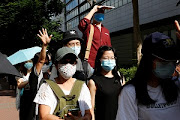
(106, 99)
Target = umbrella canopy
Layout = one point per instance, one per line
(6, 67)
(23, 55)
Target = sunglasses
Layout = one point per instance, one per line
(66, 61)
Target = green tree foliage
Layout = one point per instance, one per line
(129, 72)
(20, 21)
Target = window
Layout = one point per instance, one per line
(120, 3)
(125, 2)
(84, 7)
(72, 14)
(112, 2)
(108, 3)
(80, 1)
(71, 5)
(73, 23)
(67, 1)
(116, 3)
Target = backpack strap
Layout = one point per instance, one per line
(56, 89)
(75, 91)
(59, 93)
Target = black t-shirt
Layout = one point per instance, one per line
(106, 99)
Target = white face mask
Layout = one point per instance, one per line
(66, 70)
(45, 68)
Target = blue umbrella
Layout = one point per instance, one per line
(23, 55)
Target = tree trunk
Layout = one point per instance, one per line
(136, 29)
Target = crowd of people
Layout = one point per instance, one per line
(64, 89)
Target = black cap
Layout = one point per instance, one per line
(161, 46)
(71, 35)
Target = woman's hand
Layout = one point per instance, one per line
(178, 29)
(72, 117)
(44, 36)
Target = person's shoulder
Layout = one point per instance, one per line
(129, 89)
(94, 77)
(44, 87)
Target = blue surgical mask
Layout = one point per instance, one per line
(108, 65)
(28, 65)
(164, 71)
(99, 17)
(76, 49)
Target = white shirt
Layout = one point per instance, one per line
(47, 97)
(128, 109)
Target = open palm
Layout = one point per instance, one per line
(43, 35)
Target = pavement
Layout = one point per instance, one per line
(8, 109)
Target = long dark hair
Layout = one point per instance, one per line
(98, 68)
(143, 74)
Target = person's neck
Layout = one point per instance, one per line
(98, 24)
(61, 80)
(107, 73)
(153, 81)
(28, 71)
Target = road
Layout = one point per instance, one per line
(8, 109)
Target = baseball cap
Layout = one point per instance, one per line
(161, 46)
(71, 35)
(63, 52)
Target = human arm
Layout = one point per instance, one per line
(45, 40)
(127, 104)
(47, 101)
(92, 89)
(44, 113)
(178, 29)
(84, 24)
(91, 13)
(21, 83)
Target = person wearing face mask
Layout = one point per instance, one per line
(32, 75)
(152, 94)
(47, 98)
(105, 85)
(72, 40)
(22, 83)
(101, 34)
(46, 69)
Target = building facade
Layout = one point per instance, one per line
(154, 15)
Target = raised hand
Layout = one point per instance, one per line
(178, 29)
(96, 8)
(44, 36)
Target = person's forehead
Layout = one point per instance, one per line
(74, 41)
(108, 53)
(100, 11)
